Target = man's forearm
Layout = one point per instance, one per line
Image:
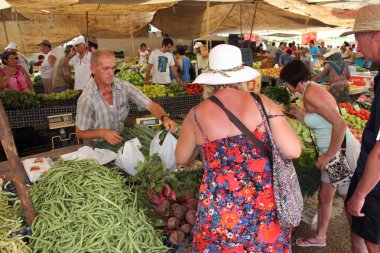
(155, 109)
(89, 134)
(174, 70)
(371, 174)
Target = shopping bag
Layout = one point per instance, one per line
(167, 152)
(129, 155)
(155, 146)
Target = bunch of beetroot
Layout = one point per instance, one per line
(180, 216)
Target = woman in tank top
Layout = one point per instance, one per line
(323, 118)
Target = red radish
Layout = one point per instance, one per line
(173, 222)
(185, 228)
(180, 212)
(191, 217)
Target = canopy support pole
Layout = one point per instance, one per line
(207, 23)
(132, 39)
(5, 27)
(241, 23)
(19, 29)
(87, 24)
(253, 22)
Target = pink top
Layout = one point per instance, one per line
(17, 81)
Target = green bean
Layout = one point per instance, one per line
(84, 207)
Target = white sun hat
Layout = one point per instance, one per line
(331, 52)
(226, 67)
(367, 20)
(11, 45)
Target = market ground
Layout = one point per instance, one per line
(337, 236)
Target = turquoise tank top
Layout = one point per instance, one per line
(322, 131)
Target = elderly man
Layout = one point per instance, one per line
(22, 61)
(103, 105)
(202, 56)
(363, 197)
(79, 57)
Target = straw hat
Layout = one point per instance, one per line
(367, 20)
(226, 67)
(331, 52)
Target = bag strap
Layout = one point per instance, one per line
(241, 126)
(343, 146)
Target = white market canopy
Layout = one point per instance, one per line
(27, 22)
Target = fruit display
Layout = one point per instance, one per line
(19, 99)
(174, 90)
(161, 91)
(64, 95)
(271, 72)
(153, 91)
(194, 89)
(131, 76)
(356, 119)
(257, 65)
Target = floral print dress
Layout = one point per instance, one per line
(237, 210)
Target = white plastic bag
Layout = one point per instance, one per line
(167, 152)
(129, 156)
(155, 146)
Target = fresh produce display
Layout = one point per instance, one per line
(279, 94)
(154, 91)
(131, 76)
(37, 84)
(308, 175)
(256, 65)
(160, 91)
(174, 90)
(194, 89)
(10, 224)
(19, 99)
(356, 119)
(64, 95)
(85, 207)
(271, 72)
(359, 69)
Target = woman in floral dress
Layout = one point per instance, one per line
(237, 210)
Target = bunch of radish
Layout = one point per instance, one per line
(180, 216)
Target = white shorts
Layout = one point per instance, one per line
(352, 155)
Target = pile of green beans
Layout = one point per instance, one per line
(10, 222)
(85, 207)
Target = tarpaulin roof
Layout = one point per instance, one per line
(30, 21)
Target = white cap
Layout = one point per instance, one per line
(80, 40)
(198, 44)
(11, 45)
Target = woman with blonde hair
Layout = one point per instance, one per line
(237, 210)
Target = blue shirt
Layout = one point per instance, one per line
(285, 59)
(314, 50)
(185, 69)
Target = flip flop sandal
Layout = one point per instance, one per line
(302, 242)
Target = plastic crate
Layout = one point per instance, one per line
(246, 54)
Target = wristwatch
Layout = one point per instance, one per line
(163, 116)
